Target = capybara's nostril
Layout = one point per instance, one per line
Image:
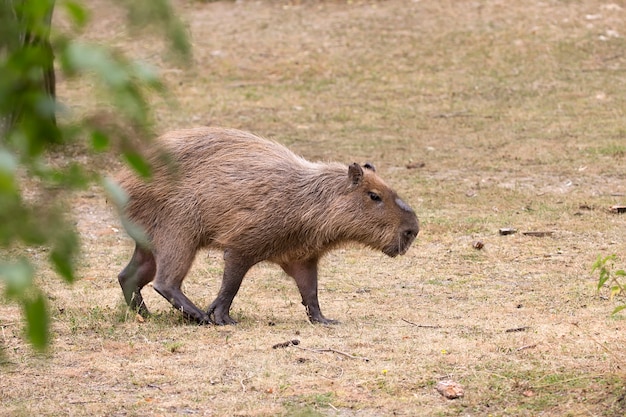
(411, 233)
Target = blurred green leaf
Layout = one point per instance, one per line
(115, 193)
(31, 224)
(8, 165)
(119, 197)
(99, 141)
(138, 163)
(136, 232)
(123, 80)
(62, 262)
(131, 101)
(14, 219)
(64, 249)
(72, 176)
(37, 320)
(82, 57)
(8, 162)
(77, 13)
(160, 16)
(146, 74)
(17, 276)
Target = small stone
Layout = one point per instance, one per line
(450, 389)
(478, 245)
(415, 165)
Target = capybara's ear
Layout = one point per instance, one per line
(355, 173)
(370, 166)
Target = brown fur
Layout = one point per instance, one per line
(257, 201)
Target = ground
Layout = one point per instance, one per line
(482, 114)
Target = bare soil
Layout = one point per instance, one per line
(483, 115)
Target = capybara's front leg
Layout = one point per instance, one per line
(235, 268)
(139, 272)
(171, 270)
(305, 274)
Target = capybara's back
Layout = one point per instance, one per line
(257, 201)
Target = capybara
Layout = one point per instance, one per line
(256, 201)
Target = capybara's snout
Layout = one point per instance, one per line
(406, 234)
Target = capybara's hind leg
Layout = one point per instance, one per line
(139, 272)
(171, 271)
(305, 274)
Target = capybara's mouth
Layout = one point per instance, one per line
(401, 246)
(391, 252)
(397, 249)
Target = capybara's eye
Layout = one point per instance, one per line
(374, 196)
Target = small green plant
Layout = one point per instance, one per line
(174, 347)
(609, 275)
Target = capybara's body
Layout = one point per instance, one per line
(257, 201)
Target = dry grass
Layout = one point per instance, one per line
(517, 112)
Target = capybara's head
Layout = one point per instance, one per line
(386, 222)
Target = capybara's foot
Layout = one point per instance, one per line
(204, 320)
(223, 320)
(139, 306)
(182, 303)
(322, 320)
(220, 315)
(143, 311)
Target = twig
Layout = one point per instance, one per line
(425, 326)
(517, 329)
(288, 343)
(519, 349)
(334, 351)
